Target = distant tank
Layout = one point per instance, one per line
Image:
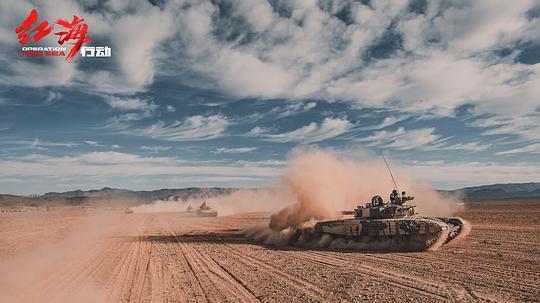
(128, 211)
(393, 224)
(205, 211)
(189, 209)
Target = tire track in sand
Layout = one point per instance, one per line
(212, 277)
(435, 291)
(453, 292)
(128, 279)
(295, 282)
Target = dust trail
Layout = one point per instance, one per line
(323, 184)
(318, 185)
(161, 206)
(32, 277)
(465, 230)
(243, 200)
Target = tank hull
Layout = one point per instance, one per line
(207, 213)
(422, 233)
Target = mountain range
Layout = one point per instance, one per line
(497, 192)
(124, 197)
(143, 195)
(474, 193)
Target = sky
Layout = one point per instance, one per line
(221, 93)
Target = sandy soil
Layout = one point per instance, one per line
(107, 256)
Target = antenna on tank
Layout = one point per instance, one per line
(391, 175)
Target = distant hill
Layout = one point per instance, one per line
(114, 197)
(497, 192)
(109, 197)
(144, 195)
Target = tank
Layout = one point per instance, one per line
(128, 211)
(189, 209)
(393, 225)
(206, 211)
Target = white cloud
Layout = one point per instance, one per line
(52, 97)
(386, 122)
(115, 146)
(235, 150)
(403, 139)
(305, 51)
(469, 146)
(110, 163)
(114, 158)
(528, 149)
(293, 108)
(124, 121)
(257, 130)
(130, 104)
(449, 60)
(313, 132)
(136, 52)
(93, 143)
(309, 52)
(191, 128)
(24, 73)
(439, 82)
(171, 109)
(480, 24)
(263, 163)
(321, 57)
(294, 56)
(526, 127)
(155, 149)
(421, 138)
(37, 143)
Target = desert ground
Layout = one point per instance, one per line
(72, 255)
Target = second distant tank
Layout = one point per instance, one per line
(206, 211)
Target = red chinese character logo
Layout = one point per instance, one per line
(41, 30)
(77, 31)
(74, 31)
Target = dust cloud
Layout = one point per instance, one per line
(243, 200)
(26, 277)
(322, 184)
(318, 185)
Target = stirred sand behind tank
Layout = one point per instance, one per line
(391, 226)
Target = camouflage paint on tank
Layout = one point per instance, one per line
(358, 228)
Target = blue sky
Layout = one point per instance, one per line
(219, 93)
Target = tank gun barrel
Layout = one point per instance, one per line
(347, 212)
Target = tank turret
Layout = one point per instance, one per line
(377, 209)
